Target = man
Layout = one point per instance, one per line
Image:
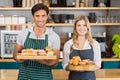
(37, 37)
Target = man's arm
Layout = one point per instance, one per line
(18, 49)
(50, 62)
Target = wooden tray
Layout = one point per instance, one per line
(81, 67)
(36, 57)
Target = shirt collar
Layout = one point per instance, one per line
(31, 30)
(85, 45)
(33, 34)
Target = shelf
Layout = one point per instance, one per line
(48, 24)
(65, 24)
(15, 8)
(59, 24)
(114, 8)
(16, 24)
(105, 24)
(92, 24)
(63, 8)
(84, 8)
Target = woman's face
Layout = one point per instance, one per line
(81, 28)
(40, 17)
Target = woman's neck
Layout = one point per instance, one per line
(81, 42)
(81, 38)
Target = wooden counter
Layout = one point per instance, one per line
(110, 59)
(103, 59)
(108, 74)
(102, 74)
(7, 60)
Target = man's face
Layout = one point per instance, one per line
(40, 17)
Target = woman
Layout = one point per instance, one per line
(37, 37)
(82, 44)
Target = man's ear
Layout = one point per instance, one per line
(32, 17)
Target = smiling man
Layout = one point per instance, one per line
(37, 37)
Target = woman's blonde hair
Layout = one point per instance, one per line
(87, 35)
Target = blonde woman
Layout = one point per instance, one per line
(82, 44)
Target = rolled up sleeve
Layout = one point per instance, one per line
(66, 53)
(97, 54)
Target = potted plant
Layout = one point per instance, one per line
(116, 45)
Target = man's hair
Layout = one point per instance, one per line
(39, 6)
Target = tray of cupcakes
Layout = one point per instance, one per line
(76, 64)
(37, 54)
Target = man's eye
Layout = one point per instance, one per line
(37, 15)
(43, 15)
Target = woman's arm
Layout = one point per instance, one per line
(66, 53)
(97, 55)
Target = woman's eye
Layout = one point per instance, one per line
(79, 25)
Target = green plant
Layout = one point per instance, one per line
(116, 45)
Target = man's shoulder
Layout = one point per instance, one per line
(27, 29)
(51, 32)
(24, 31)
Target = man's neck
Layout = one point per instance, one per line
(39, 31)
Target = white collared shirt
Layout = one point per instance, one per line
(53, 38)
(96, 50)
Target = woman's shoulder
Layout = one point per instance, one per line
(69, 42)
(95, 42)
